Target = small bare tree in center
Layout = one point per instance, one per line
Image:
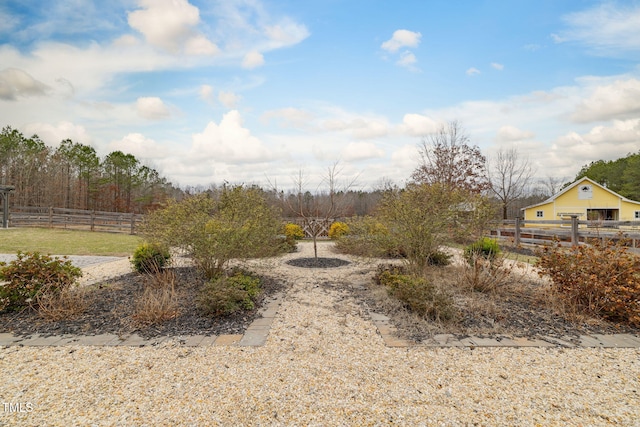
(318, 209)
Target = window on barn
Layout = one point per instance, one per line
(637, 215)
(539, 214)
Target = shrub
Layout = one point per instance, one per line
(483, 248)
(32, 274)
(236, 222)
(418, 294)
(149, 258)
(228, 294)
(439, 258)
(480, 275)
(293, 232)
(338, 229)
(423, 217)
(385, 271)
(601, 279)
(367, 237)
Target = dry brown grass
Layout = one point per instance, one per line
(159, 300)
(479, 292)
(66, 304)
(486, 276)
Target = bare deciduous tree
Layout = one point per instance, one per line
(448, 159)
(550, 185)
(509, 175)
(319, 208)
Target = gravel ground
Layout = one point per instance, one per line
(323, 364)
(80, 261)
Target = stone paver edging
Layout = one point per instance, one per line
(255, 335)
(258, 331)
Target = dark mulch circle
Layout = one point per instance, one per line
(318, 262)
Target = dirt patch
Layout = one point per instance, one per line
(112, 306)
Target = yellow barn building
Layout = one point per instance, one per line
(588, 200)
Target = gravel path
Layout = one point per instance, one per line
(323, 364)
(80, 261)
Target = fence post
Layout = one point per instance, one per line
(574, 230)
(5, 209)
(93, 220)
(517, 232)
(50, 216)
(133, 223)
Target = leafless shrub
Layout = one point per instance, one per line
(67, 303)
(159, 300)
(486, 275)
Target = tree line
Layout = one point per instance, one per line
(73, 176)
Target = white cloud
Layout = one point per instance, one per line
(16, 83)
(252, 60)
(472, 71)
(229, 142)
(289, 117)
(408, 60)
(625, 133)
(405, 158)
(357, 151)
(170, 25)
(286, 33)
(418, 125)
(152, 108)
(52, 135)
(608, 28)
(620, 99)
(126, 40)
(229, 99)
(206, 93)
(600, 143)
(512, 133)
(200, 45)
(359, 127)
(401, 38)
(497, 66)
(140, 146)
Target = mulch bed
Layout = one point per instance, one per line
(112, 306)
(518, 315)
(318, 262)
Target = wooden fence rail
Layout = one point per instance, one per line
(76, 219)
(568, 232)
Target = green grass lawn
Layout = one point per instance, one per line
(66, 242)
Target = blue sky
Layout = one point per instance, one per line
(256, 90)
